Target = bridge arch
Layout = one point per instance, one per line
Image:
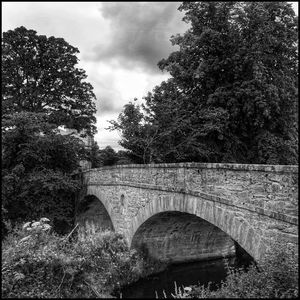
(92, 214)
(236, 227)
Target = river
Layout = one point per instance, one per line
(184, 275)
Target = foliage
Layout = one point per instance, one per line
(232, 95)
(39, 75)
(94, 155)
(40, 193)
(137, 135)
(30, 140)
(45, 265)
(6, 225)
(108, 156)
(125, 158)
(276, 277)
(36, 169)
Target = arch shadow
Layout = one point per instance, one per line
(176, 237)
(237, 228)
(91, 213)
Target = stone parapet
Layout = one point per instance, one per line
(266, 188)
(245, 167)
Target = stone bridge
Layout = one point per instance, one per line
(192, 211)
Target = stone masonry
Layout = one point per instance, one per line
(253, 205)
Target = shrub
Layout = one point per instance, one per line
(38, 263)
(276, 277)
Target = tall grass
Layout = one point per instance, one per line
(39, 263)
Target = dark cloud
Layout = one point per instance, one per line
(140, 33)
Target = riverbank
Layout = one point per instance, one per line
(41, 264)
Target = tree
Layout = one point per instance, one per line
(138, 135)
(232, 95)
(178, 138)
(94, 155)
(28, 139)
(108, 156)
(42, 90)
(124, 158)
(39, 75)
(237, 67)
(37, 164)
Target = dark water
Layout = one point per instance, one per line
(183, 274)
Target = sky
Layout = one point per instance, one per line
(120, 44)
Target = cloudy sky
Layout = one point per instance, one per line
(120, 44)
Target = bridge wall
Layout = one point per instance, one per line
(254, 204)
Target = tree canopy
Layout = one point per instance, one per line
(232, 95)
(39, 74)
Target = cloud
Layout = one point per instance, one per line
(140, 34)
(105, 137)
(77, 22)
(114, 87)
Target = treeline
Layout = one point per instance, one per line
(42, 92)
(109, 157)
(233, 92)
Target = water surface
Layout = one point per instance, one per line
(184, 275)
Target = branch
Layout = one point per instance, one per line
(70, 233)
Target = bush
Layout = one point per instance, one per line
(276, 277)
(38, 263)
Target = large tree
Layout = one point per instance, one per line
(39, 74)
(232, 95)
